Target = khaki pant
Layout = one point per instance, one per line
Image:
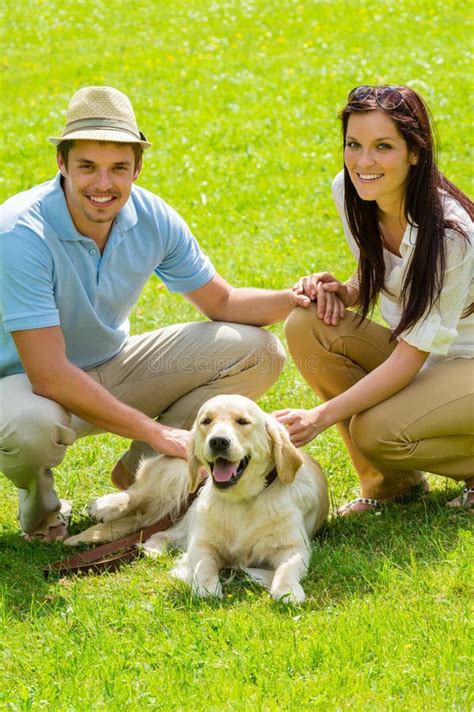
(167, 373)
(428, 426)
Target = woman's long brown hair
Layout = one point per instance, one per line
(423, 208)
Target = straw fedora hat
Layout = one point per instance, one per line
(101, 114)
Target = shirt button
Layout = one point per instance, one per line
(92, 252)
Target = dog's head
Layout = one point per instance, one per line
(240, 446)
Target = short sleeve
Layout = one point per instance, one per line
(436, 332)
(184, 267)
(26, 284)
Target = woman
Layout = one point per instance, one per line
(402, 396)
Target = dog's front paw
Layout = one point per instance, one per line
(292, 592)
(155, 546)
(181, 570)
(204, 587)
(208, 589)
(74, 540)
(108, 507)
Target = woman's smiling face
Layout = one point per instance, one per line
(377, 158)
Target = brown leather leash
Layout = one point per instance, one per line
(109, 557)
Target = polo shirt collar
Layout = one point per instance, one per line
(59, 217)
(127, 217)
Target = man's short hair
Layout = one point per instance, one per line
(65, 146)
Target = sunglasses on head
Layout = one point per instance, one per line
(387, 97)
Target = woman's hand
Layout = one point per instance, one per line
(331, 295)
(302, 425)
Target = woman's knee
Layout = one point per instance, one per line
(299, 323)
(306, 319)
(304, 327)
(307, 343)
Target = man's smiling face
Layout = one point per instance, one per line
(97, 182)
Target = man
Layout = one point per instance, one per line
(75, 253)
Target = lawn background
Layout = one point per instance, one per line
(240, 101)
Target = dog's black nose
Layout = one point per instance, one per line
(219, 444)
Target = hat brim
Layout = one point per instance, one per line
(114, 136)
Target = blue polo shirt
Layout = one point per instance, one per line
(51, 275)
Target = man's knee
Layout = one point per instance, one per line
(252, 347)
(258, 355)
(34, 434)
(269, 353)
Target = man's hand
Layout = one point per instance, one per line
(302, 425)
(331, 295)
(172, 441)
(298, 299)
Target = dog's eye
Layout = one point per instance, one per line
(206, 421)
(242, 421)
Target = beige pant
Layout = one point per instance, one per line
(167, 373)
(427, 426)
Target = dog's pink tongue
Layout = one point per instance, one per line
(224, 470)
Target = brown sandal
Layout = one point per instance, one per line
(54, 527)
(369, 504)
(462, 501)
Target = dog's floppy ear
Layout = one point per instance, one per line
(193, 465)
(288, 459)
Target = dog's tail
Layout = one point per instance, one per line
(104, 532)
(161, 489)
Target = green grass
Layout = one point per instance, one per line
(240, 100)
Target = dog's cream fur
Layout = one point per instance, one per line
(248, 524)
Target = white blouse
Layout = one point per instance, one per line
(441, 332)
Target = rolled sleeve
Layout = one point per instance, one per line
(437, 331)
(431, 336)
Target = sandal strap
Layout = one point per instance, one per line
(367, 500)
(364, 500)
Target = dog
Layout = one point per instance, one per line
(260, 505)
